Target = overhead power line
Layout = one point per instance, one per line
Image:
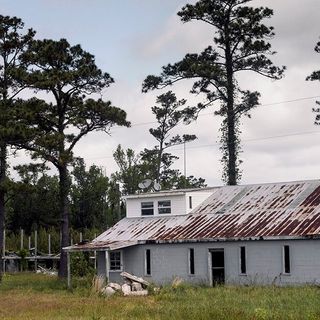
(212, 113)
(255, 139)
(289, 101)
(242, 140)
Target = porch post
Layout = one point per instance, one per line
(107, 265)
(68, 269)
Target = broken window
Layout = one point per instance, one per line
(191, 261)
(148, 262)
(115, 260)
(243, 262)
(164, 207)
(286, 259)
(147, 208)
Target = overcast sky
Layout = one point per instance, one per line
(133, 38)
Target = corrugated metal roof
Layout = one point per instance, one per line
(278, 210)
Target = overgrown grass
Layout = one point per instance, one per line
(31, 296)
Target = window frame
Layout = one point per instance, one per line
(191, 262)
(243, 263)
(120, 261)
(164, 207)
(147, 263)
(147, 208)
(286, 258)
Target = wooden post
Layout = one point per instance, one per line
(21, 239)
(95, 255)
(69, 269)
(35, 250)
(80, 236)
(29, 243)
(107, 265)
(49, 244)
(4, 252)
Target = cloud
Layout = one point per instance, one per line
(265, 160)
(175, 39)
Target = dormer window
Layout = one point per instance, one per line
(164, 207)
(147, 208)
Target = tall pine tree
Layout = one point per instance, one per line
(240, 43)
(52, 130)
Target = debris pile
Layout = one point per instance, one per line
(46, 271)
(133, 286)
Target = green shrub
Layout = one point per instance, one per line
(23, 253)
(80, 264)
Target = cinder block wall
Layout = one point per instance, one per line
(264, 262)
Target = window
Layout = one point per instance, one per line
(147, 208)
(243, 262)
(115, 260)
(286, 259)
(190, 202)
(164, 207)
(191, 261)
(148, 262)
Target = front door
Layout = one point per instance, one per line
(217, 266)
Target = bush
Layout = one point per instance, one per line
(23, 253)
(81, 265)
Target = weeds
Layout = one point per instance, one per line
(37, 296)
(97, 284)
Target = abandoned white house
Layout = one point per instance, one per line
(265, 234)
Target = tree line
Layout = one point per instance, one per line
(50, 128)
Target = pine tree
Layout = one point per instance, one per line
(169, 113)
(52, 129)
(240, 43)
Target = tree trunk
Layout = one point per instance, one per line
(3, 162)
(231, 141)
(231, 132)
(159, 160)
(64, 213)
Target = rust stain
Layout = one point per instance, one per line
(313, 199)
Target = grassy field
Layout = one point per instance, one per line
(33, 296)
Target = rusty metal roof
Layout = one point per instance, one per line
(267, 211)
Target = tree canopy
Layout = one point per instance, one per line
(315, 76)
(13, 42)
(169, 113)
(88, 197)
(33, 201)
(134, 168)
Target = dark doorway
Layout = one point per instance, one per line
(217, 266)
